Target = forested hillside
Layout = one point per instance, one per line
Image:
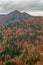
(21, 43)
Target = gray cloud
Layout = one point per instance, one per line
(23, 5)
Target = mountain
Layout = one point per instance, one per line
(1, 16)
(14, 16)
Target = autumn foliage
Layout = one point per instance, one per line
(21, 43)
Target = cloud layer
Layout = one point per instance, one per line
(7, 6)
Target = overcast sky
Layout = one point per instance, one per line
(33, 7)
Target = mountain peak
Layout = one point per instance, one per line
(15, 16)
(15, 12)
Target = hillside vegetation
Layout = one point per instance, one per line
(21, 43)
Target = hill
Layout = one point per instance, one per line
(14, 16)
(21, 43)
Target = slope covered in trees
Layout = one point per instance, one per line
(21, 43)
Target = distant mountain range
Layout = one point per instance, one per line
(14, 16)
